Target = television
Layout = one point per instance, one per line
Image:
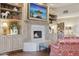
(38, 12)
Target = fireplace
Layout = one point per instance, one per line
(37, 34)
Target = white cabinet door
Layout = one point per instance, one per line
(16, 43)
(8, 43)
(1, 44)
(5, 44)
(20, 43)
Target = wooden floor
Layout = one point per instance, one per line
(39, 53)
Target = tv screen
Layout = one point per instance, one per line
(38, 11)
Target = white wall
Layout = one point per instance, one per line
(72, 9)
(71, 18)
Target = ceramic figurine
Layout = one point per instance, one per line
(15, 9)
(5, 15)
(14, 29)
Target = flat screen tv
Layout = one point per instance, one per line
(38, 12)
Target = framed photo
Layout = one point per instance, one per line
(60, 30)
(38, 12)
(60, 27)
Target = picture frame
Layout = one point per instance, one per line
(36, 11)
(60, 27)
(60, 30)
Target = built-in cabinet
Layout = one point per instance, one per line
(10, 18)
(10, 43)
(10, 27)
(17, 43)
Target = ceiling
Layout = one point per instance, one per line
(56, 5)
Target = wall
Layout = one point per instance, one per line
(36, 23)
(71, 18)
(72, 10)
(71, 22)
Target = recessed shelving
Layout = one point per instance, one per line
(15, 5)
(5, 9)
(10, 11)
(52, 18)
(10, 18)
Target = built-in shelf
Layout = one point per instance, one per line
(10, 24)
(52, 18)
(12, 4)
(10, 19)
(13, 11)
(5, 9)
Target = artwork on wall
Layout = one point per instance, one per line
(37, 34)
(68, 31)
(60, 26)
(37, 12)
(60, 30)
